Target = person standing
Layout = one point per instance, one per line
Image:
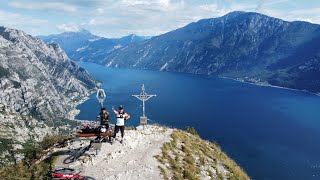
(121, 117)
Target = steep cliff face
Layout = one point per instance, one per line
(248, 46)
(39, 85)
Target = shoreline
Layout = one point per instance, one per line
(74, 112)
(265, 84)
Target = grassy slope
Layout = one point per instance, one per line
(187, 156)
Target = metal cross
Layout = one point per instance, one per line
(101, 96)
(143, 97)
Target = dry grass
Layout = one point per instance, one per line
(163, 172)
(186, 155)
(211, 174)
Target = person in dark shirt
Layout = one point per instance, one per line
(104, 118)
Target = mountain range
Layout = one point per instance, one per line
(84, 46)
(246, 46)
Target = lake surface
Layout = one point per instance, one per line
(272, 133)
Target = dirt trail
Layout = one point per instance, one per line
(134, 159)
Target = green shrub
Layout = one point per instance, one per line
(48, 141)
(191, 130)
(32, 151)
(21, 171)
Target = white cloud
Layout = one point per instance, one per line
(45, 6)
(100, 10)
(93, 22)
(264, 3)
(71, 27)
(19, 21)
(160, 3)
(311, 11)
(209, 7)
(306, 20)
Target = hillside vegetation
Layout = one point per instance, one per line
(187, 156)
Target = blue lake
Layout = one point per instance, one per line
(271, 133)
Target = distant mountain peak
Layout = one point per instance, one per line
(135, 37)
(85, 31)
(79, 32)
(235, 13)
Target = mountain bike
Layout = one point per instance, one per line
(67, 174)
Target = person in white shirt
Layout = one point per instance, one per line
(121, 117)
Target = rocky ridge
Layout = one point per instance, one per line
(39, 86)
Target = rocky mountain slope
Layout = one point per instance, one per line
(155, 152)
(246, 46)
(84, 46)
(39, 87)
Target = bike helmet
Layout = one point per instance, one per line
(103, 129)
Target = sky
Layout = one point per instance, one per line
(117, 18)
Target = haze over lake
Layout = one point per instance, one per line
(272, 133)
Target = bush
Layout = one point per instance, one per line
(50, 140)
(191, 130)
(33, 151)
(20, 171)
(6, 146)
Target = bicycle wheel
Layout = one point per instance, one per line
(68, 160)
(64, 171)
(88, 178)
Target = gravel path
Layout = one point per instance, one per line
(134, 159)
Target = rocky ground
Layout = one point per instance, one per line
(134, 159)
(144, 155)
